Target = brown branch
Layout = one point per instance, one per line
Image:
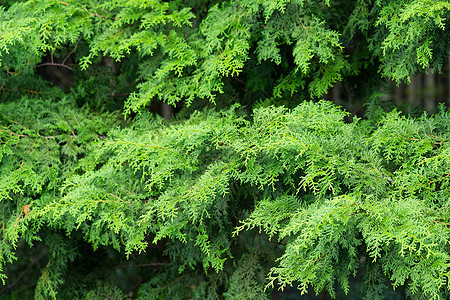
(120, 92)
(70, 53)
(221, 54)
(31, 91)
(27, 135)
(13, 133)
(97, 15)
(142, 265)
(154, 147)
(134, 287)
(434, 136)
(173, 281)
(241, 82)
(304, 27)
(319, 258)
(411, 139)
(53, 64)
(117, 197)
(18, 90)
(432, 181)
(25, 272)
(440, 222)
(56, 136)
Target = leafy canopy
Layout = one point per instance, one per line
(228, 201)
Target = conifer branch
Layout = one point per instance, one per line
(440, 222)
(44, 137)
(70, 53)
(100, 16)
(53, 64)
(315, 183)
(25, 90)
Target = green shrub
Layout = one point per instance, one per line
(270, 188)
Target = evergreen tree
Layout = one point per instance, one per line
(255, 185)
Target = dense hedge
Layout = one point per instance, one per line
(255, 185)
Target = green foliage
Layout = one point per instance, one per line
(183, 58)
(413, 28)
(334, 193)
(41, 143)
(269, 189)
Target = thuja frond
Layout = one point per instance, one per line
(332, 192)
(232, 201)
(41, 143)
(184, 59)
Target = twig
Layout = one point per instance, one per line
(319, 258)
(97, 15)
(304, 27)
(173, 281)
(435, 136)
(435, 143)
(135, 286)
(117, 197)
(440, 222)
(221, 54)
(130, 85)
(26, 135)
(241, 82)
(70, 53)
(143, 265)
(53, 64)
(24, 272)
(432, 181)
(18, 90)
(152, 146)
(13, 133)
